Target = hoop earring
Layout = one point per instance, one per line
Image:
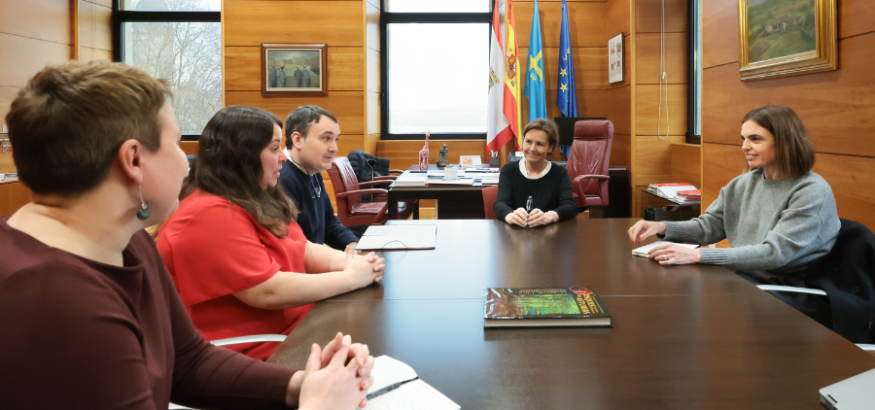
(144, 211)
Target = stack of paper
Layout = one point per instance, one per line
(411, 179)
(398, 237)
(644, 250)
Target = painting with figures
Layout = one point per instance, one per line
(294, 69)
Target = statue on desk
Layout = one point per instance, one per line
(423, 155)
(442, 158)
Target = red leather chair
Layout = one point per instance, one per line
(348, 192)
(489, 195)
(589, 162)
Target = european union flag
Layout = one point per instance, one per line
(566, 97)
(535, 90)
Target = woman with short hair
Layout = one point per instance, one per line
(240, 262)
(89, 314)
(535, 177)
(779, 216)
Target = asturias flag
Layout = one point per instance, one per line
(535, 90)
(498, 130)
(566, 97)
(512, 106)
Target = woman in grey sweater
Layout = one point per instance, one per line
(779, 217)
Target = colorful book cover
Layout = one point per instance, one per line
(543, 304)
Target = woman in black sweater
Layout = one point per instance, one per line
(548, 186)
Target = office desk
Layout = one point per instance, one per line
(453, 201)
(694, 337)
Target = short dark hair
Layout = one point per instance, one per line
(302, 118)
(68, 123)
(794, 152)
(228, 164)
(549, 127)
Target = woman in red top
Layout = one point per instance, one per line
(235, 253)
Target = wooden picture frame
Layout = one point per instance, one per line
(616, 70)
(802, 40)
(302, 67)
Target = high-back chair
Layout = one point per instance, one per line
(489, 195)
(589, 162)
(348, 192)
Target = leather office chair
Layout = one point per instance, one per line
(351, 210)
(846, 277)
(489, 195)
(589, 162)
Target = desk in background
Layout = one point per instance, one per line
(453, 201)
(696, 337)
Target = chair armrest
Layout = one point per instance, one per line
(396, 171)
(791, 289)
(581, 177)
(370, 183)
(386, 177)
(361, 191)
(248, 339)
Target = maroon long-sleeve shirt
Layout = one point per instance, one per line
(79, 334)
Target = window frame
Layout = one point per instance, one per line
(120, 17)
(387, 18)
(694, 77)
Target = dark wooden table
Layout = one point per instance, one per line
(453, 201)
(694, 337)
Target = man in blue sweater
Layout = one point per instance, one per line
(311, 144)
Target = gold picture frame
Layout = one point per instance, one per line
(782, 44)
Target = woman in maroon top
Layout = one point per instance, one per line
(89, 315)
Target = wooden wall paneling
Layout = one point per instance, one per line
(13, 195)
(590, 66)
(90, 54)
(612, 104)
(837, 107)
(243, 69)
(95, 26)
(24, 57)
(349, 143)
(719, 32)
(403, 154)
(7, 94)
(648, 16)
(75, 43)
(686, 164)
(647, 61)
(370, 143)
(47, 20)
(347, 106)
(250, 23)
(647, 110)
(621, 148)
(617, 17)
(652, 160)
(722, 163)
(6, 162)
(852, 180)
(856, 17)
(586, 23)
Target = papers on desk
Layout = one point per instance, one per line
(465, 181)
(642, 251)
(398, 237)
(411, 179)
(396, 386)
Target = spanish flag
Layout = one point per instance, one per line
(498, 129)
(512, 107)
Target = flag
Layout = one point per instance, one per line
(498, 130)
(535, 91)
(566, 96)
(512, 107)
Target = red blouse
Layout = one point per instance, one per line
(214, 248)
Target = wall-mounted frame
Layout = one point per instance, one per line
(615, 59)
(294, 70)
(779, 38)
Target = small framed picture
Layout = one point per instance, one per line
(615, 59)
(294, 70)
(469, 160)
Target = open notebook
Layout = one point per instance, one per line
(397, 387)
(398, 237)
(642, 251)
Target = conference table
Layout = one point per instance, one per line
(694, 336)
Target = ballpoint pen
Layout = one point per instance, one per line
(528, 208)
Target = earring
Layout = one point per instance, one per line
(143, 212)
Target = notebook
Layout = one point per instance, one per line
(642, 251)
(398, 237)
(397, 387)
(856, 393)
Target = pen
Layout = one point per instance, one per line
(528, 208)
(388, 388)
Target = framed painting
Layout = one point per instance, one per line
(779, 38)
(294, 70)
(615, 59)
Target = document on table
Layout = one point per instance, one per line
(642, 251)
(397, 387)
(398, 237)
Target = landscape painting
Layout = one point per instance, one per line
(780, 28)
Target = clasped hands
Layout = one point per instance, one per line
(370, 268)
(531, 219)
(670, 254)
(337, 377)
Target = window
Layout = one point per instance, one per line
(435, 61)
(180, 41)
(694, 113)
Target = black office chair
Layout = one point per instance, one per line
(846, 277)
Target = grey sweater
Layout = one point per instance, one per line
(778, 226)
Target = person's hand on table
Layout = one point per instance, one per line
(335, 378)
(643, 229)
(364, 269)
(539, 218)
(517, 217)
(673, 254)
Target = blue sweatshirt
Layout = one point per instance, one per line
(316, 216)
